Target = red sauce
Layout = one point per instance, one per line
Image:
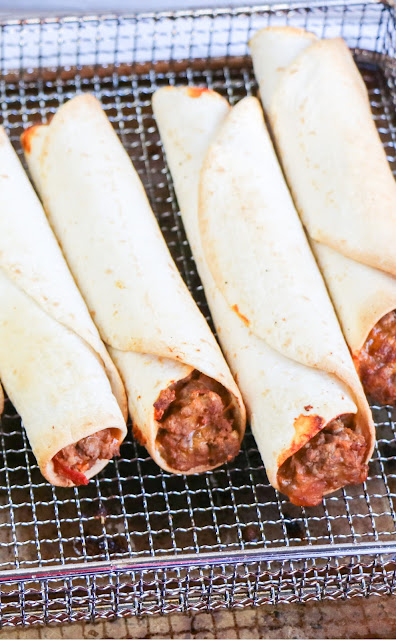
(75, 476)
(332, 459)
(71, 461)
(376, 361)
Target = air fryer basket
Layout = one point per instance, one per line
(136, 539)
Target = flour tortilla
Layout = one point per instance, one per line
(53, 364)
(361, 295)
(242, 227)
(330, 148)
(336, 167)
(115, 250)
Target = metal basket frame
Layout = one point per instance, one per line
(138, 540)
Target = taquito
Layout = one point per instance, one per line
(53, 364)
(184, 403)
(342, 184)
(277, 327)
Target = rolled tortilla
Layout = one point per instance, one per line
(335, 163)
(185, 406)
(53, 364)
(365, 301)
(270, 307)
(342, 185)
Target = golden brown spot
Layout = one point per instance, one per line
(120, 285)
(196, 92)
(308, 407)
(26, 137)
(138, 435)
(305, 428)
(240, 315)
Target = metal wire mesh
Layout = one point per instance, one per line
(68, 554)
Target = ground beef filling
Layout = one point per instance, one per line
(376, 361)
(72, 461)
(332, 459)
(196, 423)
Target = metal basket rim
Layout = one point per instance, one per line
(221, 557)
(192, 560)
(202, 12)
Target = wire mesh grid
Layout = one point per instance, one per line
(136, 539)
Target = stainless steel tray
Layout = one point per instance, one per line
(138, 540)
